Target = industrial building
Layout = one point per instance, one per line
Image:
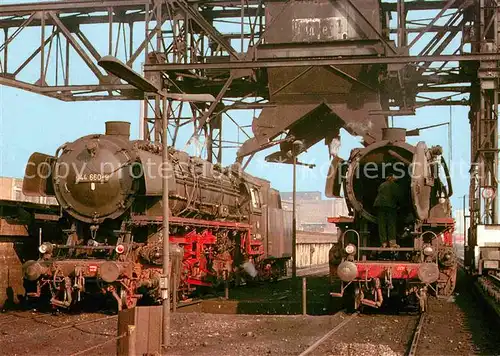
(313, 211)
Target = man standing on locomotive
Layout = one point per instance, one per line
(387, 202)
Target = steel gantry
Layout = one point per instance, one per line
(305, 68)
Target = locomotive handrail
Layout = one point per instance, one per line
(357, 235)
(409, 249)
(84, 247)
(437, 241)
(448, 177)
(190, 221)
(428, 232)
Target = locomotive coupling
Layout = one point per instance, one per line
(428, 250)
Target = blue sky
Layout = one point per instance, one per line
(30, 122)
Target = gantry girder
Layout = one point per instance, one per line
(431, 53)
(64, 32)
(220, 47)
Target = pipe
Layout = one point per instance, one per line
(68, 300)
(294, 219)
(117, 298)
(372, 303)
(304, 296)
(165, 295)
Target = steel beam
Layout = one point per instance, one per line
(305, 62)
(68, 6)
(448, 4)
(483, 118)
(422, 5)
(196, 24)
(76, 46)
(210, 30)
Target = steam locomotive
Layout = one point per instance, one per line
(109, 189)
(423, 262)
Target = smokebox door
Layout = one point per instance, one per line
(38, 176)
(334, 179)
(420, 191)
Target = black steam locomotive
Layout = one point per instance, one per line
(423, 261)
(109, 189)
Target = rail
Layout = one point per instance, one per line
(11, 317)
(55, 327)
(64, 327)
(486, 288)
(328, 334)
(416, 336)
(100, 345)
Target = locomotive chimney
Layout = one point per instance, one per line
(118, 128)
(394, 134)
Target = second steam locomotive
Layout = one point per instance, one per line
(109, 189)
(421, 261)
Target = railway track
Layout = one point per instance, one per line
(98, 326)
(59, 331)
(329, 334)
(416, 336)
(86, 333)
(486, 288)
(344, 326)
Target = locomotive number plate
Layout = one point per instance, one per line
(93, 178)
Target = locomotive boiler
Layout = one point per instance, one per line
(423, 262)
(109, 189)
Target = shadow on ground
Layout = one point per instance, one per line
(480, 322)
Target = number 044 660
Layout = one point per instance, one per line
(92, 178)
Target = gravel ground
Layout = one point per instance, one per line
(453, 327)
(468, 330)
(247, 335)
(371, 335)
(194, 334)
(30, 333)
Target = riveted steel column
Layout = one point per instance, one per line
(294, 219)
(166, 243)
